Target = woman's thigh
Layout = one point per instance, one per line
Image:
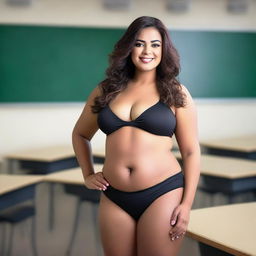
(117, 229)
(153, 227)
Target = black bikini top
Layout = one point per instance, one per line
(157, 119)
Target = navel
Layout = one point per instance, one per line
(130, 169)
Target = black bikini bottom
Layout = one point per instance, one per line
(136, 202)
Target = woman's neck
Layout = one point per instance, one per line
(144, 77)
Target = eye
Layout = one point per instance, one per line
(155, 45)
(138, 44)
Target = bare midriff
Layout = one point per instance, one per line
(136, 159)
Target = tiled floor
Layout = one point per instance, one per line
(86, 243)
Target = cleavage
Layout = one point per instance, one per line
(131, 110)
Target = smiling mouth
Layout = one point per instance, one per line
(146, 60)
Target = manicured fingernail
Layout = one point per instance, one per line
(173, 222)
(107, 184)
(173, 238)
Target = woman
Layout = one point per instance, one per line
(146, 200)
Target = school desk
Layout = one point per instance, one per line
(42, 160)
(241, 146)
(227, 175)
(16, 188)
(225, 230)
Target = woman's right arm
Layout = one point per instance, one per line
(85, 128)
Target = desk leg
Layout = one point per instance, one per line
(5, 166)
(78, 206)
(51, 206)
(3, 239)
(231, 199)
(12, 166)
(10, 241)
(33, 232)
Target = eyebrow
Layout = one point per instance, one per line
(152, 41)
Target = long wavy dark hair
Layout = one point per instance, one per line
(121, 68)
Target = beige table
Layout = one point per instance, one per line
(9, 183)
(227, 167)
(73, 182)
(241, 146)
(229, 228)
(43, 160)
(49, 159)
(15, 189)
(50, 153)
(224, 167)
(72, 176)
(230, 176)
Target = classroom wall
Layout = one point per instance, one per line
(37, 124)
(203, 14)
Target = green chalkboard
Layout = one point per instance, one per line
(218, 64)
(63, 64)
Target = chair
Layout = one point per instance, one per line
(15, 209)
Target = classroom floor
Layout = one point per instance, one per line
(86, 243)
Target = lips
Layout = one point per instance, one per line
(146, 60)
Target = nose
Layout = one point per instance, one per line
(146, 49)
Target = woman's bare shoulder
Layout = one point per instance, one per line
(188, 99)
(93, 94)
(185, 90)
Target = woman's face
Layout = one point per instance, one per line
(147, 51)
